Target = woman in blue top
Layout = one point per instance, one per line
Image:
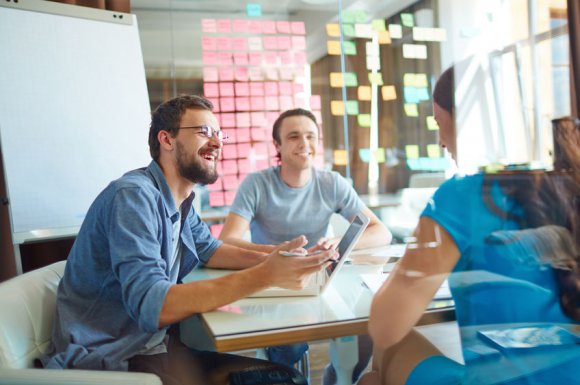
(509, 245)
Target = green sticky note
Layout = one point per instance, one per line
(407, 19)
(350, 79)
(412, 151)
(379, 25)
(365, 154)
(376, 78)
(360, 16)
(349, 48)
(379, 155)
(348, 17)
(348, 30)
(364, 120)
(351, 107)
(432, 123)
(253, 10)
(433, 151)
(411, 109)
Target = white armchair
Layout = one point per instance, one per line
(27, 306)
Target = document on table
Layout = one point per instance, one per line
(374, 282)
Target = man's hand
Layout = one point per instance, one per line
(325, 243)
(294, 272)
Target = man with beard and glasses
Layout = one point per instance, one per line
(121, 288)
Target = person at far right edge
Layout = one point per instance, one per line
(508, 242)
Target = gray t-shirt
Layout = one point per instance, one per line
(278, 213)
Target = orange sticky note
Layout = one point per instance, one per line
(337, 107)
(332, 30)
(333, 47)
(384, 37)
(364, 93)
(336, 79)
(339, 157)
(389, 92)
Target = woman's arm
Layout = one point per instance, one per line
(403, 298)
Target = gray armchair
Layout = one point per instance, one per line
(27, 306)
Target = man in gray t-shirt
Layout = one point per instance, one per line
(295, 198)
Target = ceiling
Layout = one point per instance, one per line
(171, 34)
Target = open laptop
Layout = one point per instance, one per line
(318, 282)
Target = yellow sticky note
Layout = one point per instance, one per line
(333, 47)
(384, 37)
(337, 107)
(364, 93)
(421, 81)
(389, 93)
(433, 151)
(409, 80)
(379, 155)
(332, 30)
(351, 107)
(412, 151)
(376, 78)
(432, 123)
(336, 79)
(339, 157)
(379, 25)
(364, 120)
(411, 109)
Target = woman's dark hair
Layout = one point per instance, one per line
(444, 91)
(548, 198)
(167, 116)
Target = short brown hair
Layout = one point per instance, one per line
(167, 116)
(288, 114)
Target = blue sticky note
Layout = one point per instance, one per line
(365, 154)
(411, 95)
(253, 9)
(423, 94)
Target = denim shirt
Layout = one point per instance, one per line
(117, 273)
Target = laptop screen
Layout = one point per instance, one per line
(348, 241)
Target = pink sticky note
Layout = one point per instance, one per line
(216, 229)
(298, 88)
(243, 134)
(227, 104)
(271, 118)
(299, 102)
(318, 116)
(229, 151)
(283, 27)
(240, 44)
(286, 103)
(231, 181)
(216, 199)
(240, 26)
(242, 89)
(225, 58)
(256, 89)
(226, 89)
(285, 72)
(208, 25)
(229, 166)
(300, 57)
(255, 27)
(261, 150)
(299, 43)
(272, 104)
(210, 74)
(243, 150)
(227, 120)
(209, 58)
(215, 101)
(243, 104)
(210, 90)
(262, 164)
(286, 88)
(270, 57)
(224, 44)
(286, 58)
(224, 25)
(255, 58)
(268, 27)
(298, 28)
(240, 58)
(258, 133)
(255, 43)
(271, 88)
(217, 185)
(256, 74)
(258, 119)
(284, 43)
(229, 196)
(226, 74)
(244, 166)
(315, 102)
(271, 73)
(243, 119)
(257, 103)
(241, 74)
(208, 43)
(270, 43)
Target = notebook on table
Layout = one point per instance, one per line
(318, 282)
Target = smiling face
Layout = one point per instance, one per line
(446, 124)
(298, 142)
(196, 155)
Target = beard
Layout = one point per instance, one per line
(194, 169)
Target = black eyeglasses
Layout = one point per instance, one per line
(208, 131)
